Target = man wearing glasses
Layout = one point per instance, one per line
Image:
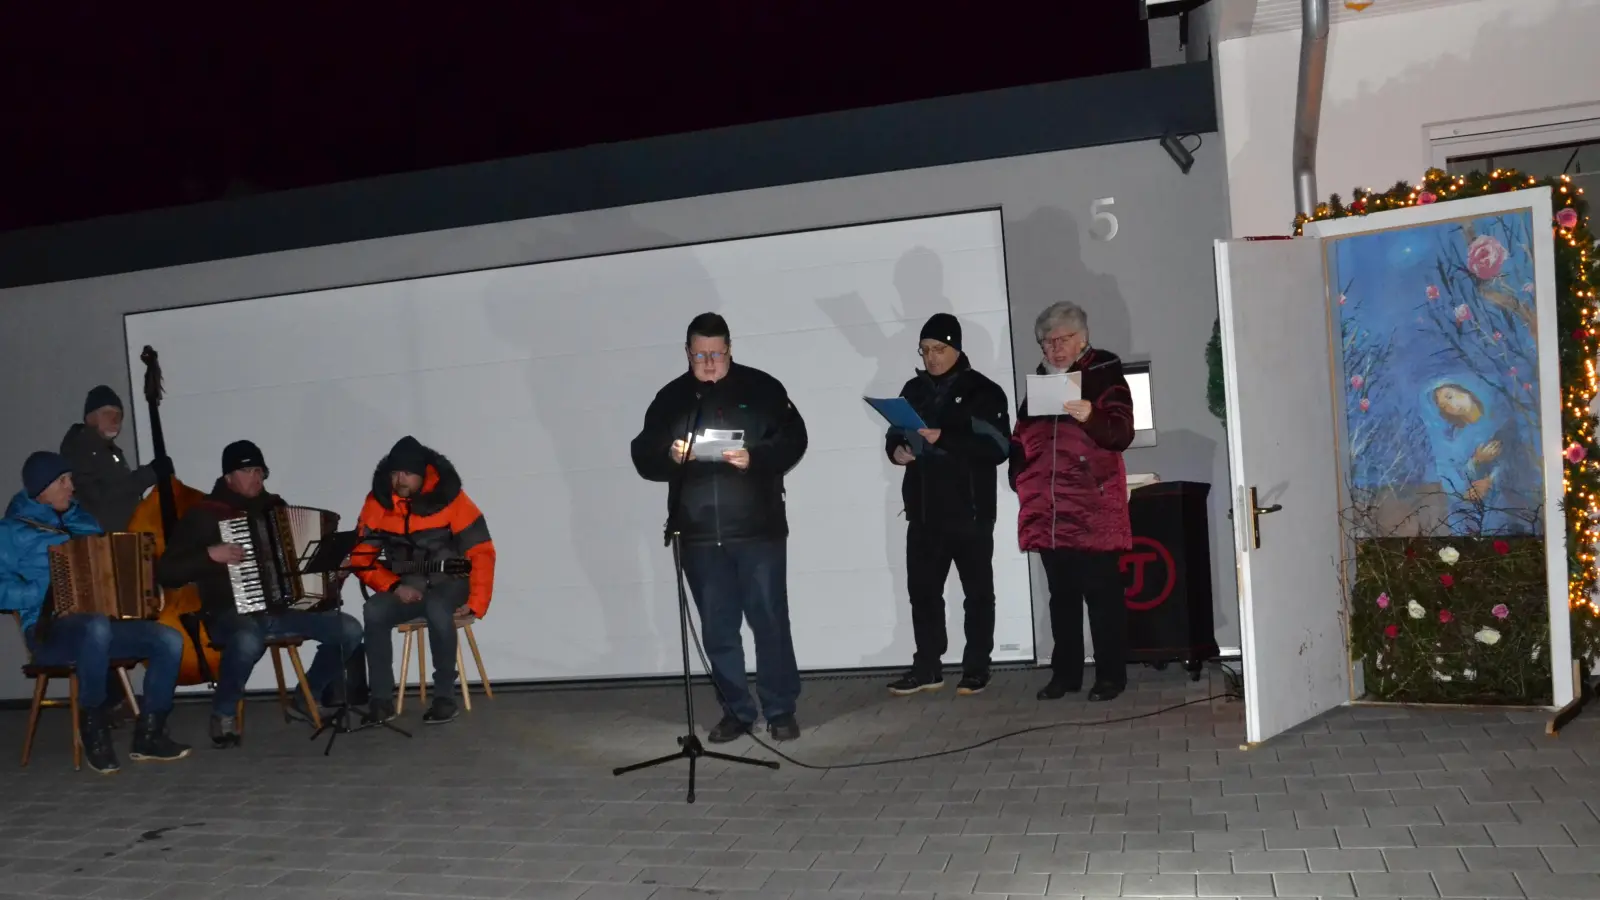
(949, 495)
(727, 506)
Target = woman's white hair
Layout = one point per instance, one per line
(1059, 314)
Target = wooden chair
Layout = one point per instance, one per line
(41, 676)
(278, 646)
(417, 633)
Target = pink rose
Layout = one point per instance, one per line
(1365, 404)
(1356, 381)
(1500, 611)
(1567, 218)
(1576, 453)
(1486, 256)
(1427, 197)
(1513, 368)
(1433, 292)
(1341, 299)
(1462, 314)
(1498, 335)
(1383, 601)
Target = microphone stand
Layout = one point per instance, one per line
(690, 747)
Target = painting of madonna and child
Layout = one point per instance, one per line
(1436, 329)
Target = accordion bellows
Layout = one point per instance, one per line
(105, 574)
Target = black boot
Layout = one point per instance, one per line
(224, 732)
(151, 742)
(94, 732)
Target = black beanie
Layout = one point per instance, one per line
(944, 328)
(101, 396)
(242, 455)
(408, 455)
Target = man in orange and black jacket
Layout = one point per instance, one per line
(418, 515)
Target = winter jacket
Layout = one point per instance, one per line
(27, 533)
(439, 522)
(712, 501)
(1069, 476)
(107, 488)
(187, 559)
(952, 482)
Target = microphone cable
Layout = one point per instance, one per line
(1233, 692)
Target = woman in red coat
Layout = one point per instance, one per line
(1068, 474)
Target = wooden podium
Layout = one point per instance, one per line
(1167, 576)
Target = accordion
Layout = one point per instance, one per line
(275, 542)
(105, 574)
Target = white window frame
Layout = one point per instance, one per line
(1511, 133)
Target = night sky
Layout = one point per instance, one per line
(114, 108)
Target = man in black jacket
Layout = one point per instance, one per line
(730, 515)
(949, 495)
(197, 555)
(107, 488)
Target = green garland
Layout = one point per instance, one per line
(1215, 398)
(1578, 323)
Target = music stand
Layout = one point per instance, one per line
(326, 556)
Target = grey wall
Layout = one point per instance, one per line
(1149, 292)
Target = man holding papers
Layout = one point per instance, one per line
(949, 495)
(723, 435)
(1066, 467)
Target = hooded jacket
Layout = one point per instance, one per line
(106, 487)
(952, 482)
(187, 559)
(27, 533)
(714, 502)
(1069, 475)
(439, 522)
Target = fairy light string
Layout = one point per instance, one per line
(1578, 342)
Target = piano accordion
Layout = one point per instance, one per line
(275, 544)
(105, 574)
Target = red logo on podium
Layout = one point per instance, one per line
(1155, 575)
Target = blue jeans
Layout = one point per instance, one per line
(746, 581)
(91, 642)
(244, 642)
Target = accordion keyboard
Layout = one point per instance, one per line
(249, 592)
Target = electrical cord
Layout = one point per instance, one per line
(1232, 693)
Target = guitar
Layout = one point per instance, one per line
(430, 567)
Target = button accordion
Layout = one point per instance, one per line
(275, 542)
(105, 574)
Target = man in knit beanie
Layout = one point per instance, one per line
(107, 487)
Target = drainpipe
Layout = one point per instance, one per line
(1308, 105)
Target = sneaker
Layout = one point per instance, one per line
(1058, 688)
(379, 711)
(151, 742)
(972, 683)
(442, 710)
(731, 728)
(783, 728)
(914, 683)
(94, 733)
(225, 732)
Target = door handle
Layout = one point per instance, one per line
(1256, 512)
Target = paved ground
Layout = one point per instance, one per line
(517, 800)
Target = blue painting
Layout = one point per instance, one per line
(1436, 328)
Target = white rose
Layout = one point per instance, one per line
(1469, 674)
(1449, 556)
(1488, 636)
(1415, 609)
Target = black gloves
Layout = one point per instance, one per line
(162, 466)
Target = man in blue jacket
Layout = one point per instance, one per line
(43, 514)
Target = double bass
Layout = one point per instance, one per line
(158, 514)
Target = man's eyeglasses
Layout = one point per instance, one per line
(714, 356)
(1059, 343)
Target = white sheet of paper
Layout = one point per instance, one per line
(712, 443)
(1047, 393)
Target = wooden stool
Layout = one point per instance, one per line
(278, 646)
(417, 632)
(41, 676)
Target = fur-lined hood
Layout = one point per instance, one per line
(440, 485)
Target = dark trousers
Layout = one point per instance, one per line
(91, 642)
(244, 641)
(930, 551)
(438, 608)
(1077, 577)
(745, 581)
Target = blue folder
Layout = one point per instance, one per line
(897, 412)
